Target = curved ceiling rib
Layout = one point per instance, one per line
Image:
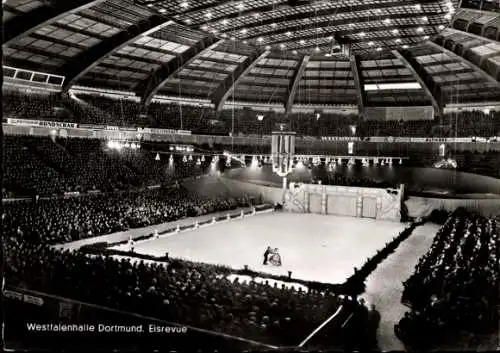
(81, 64)
(311, 12)
(158, 78)
(220, 96)
(27, 23)
(355, 62)
(409, 65)
(332, 24)
(295, 83)
(478, 70)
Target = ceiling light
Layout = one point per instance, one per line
(425, 19)
(441, 27)
(330, 38)
(224, 35)
(260, 39)
(245, 42)
(204, 27)
(294, 52)
(387, 21)
(420, 29)
(282, 46)
(224, 21)
(232, 38)
(395, 31)
(426, 37)
(362, 34)
(268, 47)
(162, 10)
(289, 33)
(302, 41)
(405, 46)
(256, 15)
(351, 24)
(244, 30)
(273, 24)
(184, 4)
(188, 21)
(379, 49)
(418, 7)
(370, 43)
(317, 49)
(398, 40)
(447, 16)
(240, 6)
(208, 15)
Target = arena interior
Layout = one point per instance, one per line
(251, 174)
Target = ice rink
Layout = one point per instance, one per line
(312, 246)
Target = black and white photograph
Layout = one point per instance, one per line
(250, 175)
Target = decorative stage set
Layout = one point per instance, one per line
(384, 204)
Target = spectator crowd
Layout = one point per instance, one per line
(455, 284)
(180, 291)
(100, 110)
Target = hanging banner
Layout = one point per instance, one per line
(163, 131)
(41, 123)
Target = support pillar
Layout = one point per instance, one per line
(359, 206)
(323, 202)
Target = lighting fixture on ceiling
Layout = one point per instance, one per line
(395, 31)
(317, 49)
(244, 31)
(425, 19)
(184, 4)
(426, 37)
(441, 27)
(405, 46)
(302, 42)
(418, 7)
(420, 29)
(387, 21)
(240, 6)
(162, 10)
(379, 48)
(273, 24)
(362, 34)
(224, 22)
(268, 47)
(208, 15)
(282, 46)
(398, 40)
(260, 39)
(289, 33)
(294, 52)
(370, 43)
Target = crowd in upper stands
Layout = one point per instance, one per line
(455, 284)
(100, 110)
(45, 166)
(68, 219)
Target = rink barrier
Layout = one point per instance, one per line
(354, 285)
(178, 228)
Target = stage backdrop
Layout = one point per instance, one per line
(343, 200)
